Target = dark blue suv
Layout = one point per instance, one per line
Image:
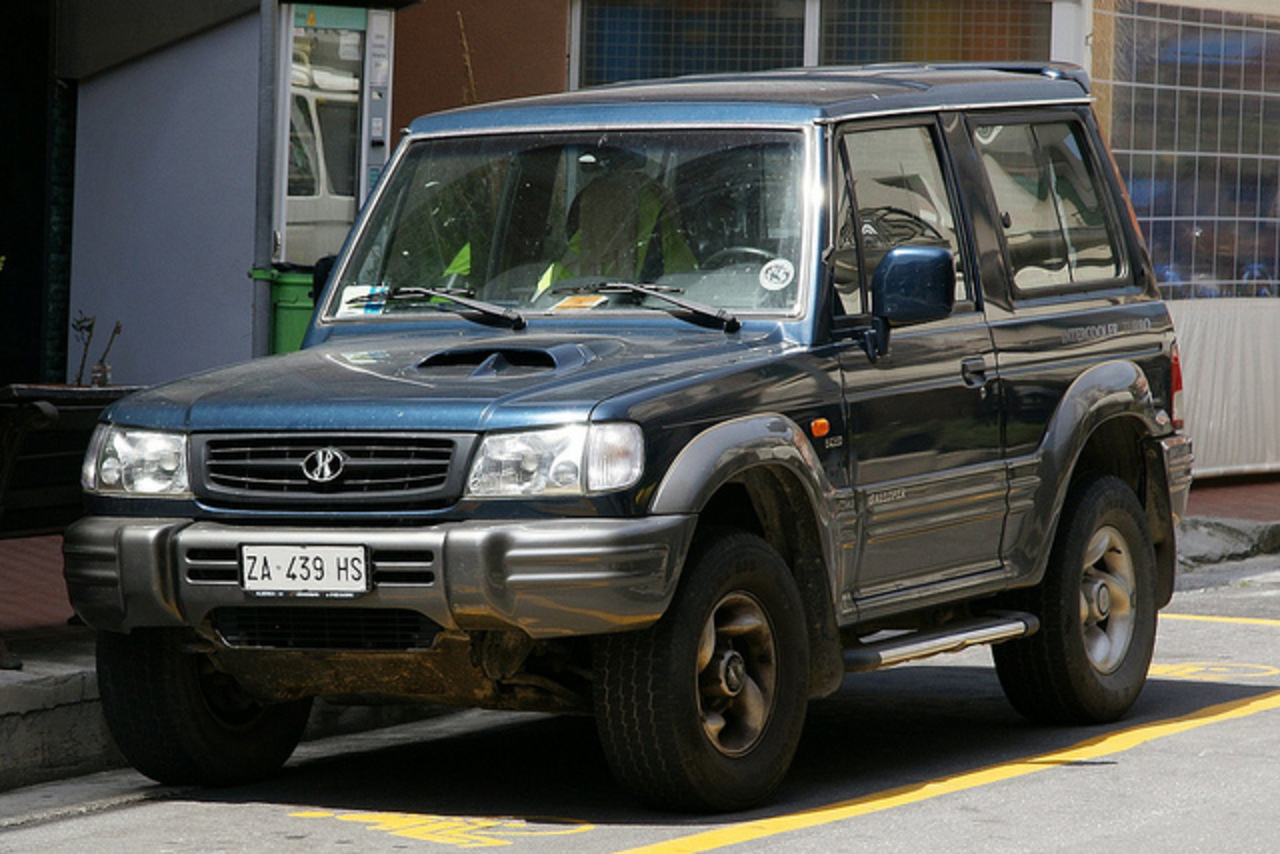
(673, 403)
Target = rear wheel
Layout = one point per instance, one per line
(1097, 611)
(704, 710)
(179, 720)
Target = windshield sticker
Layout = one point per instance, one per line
(777, 274)
(358, 300)
(580, 301)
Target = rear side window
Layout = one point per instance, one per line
(1057, 226)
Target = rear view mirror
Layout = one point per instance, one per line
(914, 284)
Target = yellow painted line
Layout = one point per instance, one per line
(1212, 671)
(1239, 621)
(1085, 751)
(455, 831)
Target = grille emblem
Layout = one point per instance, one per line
(323, 465)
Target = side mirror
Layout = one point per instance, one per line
(320, 274)
(914, 284)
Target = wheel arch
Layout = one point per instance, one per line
(1104, 424)
(762, 475)
(1140, 465)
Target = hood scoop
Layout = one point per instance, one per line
(481, 363)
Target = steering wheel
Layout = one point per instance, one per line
(721, 257)
(891, 226)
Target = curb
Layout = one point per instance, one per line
(1203, 541)
(51, 722)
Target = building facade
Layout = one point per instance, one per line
(1188, 91)
(195, 141)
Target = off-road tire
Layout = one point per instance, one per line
(179, 721)
(1089, 661)
(673, 729)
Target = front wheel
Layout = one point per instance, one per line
(703, 711)
(179, 720)
(1097, 611)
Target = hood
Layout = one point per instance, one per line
(453, 382)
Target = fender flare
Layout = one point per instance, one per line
(1104, 392)
(725, 451)
(721, 452)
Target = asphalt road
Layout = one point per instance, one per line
(923, 757)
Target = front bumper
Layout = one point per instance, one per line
(548, 578)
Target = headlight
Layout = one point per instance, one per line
(573, 460)
(124, 461)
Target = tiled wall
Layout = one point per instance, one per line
(1190, 99)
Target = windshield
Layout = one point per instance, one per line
(540, 223)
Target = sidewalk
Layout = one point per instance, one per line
(51, 724)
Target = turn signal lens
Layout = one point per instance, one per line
(1175, 388)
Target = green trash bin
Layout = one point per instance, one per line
(291, 305)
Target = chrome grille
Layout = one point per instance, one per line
(410, 470)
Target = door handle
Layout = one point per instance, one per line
(974, 371)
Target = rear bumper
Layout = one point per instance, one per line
(1178, 457)
(549, 578)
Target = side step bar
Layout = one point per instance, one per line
(950, 638)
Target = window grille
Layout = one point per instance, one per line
(638, 39)
(1187, 97)
(865, 31)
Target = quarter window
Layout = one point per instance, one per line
(1056, 226)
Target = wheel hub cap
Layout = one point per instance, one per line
(733, 674)
(737, 674)
(1108, 587)
(1100, 601)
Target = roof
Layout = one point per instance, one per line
(784, 96)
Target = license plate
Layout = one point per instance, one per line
(304, 570)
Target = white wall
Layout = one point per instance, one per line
(164, 207)
(1229, 352)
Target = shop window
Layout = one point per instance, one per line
(1189, 99)
(325, 77)
(634, 40)
(864, 31)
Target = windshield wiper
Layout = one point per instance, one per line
(696, 313)
(488, 313)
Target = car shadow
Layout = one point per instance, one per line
(895, 728)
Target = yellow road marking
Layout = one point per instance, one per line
(465, 832)
(1211, 671)
(1239, 621)
(455, 831)
(1085, 751)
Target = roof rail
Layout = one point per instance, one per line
(1055, 70)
